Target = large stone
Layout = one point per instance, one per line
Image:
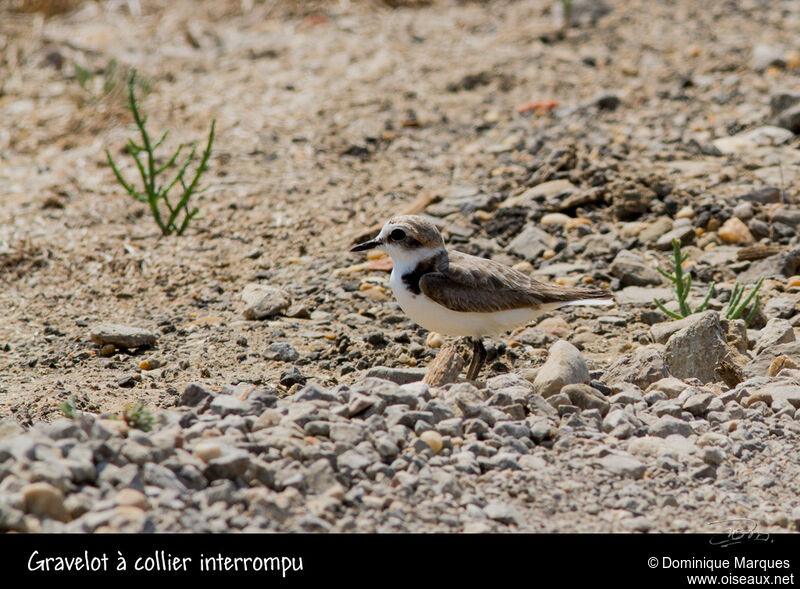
(641, 296)
(10, 427)
(777, 331)
(779, 266)
(764, 56)
(531, 243)
(194, 394)
(735, 330)
(697, 351)
(655, 230)
(263, 301)
(787, 215)
(624, 465)
(584, 396)
(642, 368)
(780, 307)
(684, 235)
(788, 392)
(564, 365)
(670, 386)
(667, 425)
(631, 269)
(122, 336)
(759, 366)
(720, 256)
(749, 140)
(44, 500)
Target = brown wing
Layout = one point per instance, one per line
(470, 284)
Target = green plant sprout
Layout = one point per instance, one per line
(735, 308)
(681, 286)
(154, 193)
(139, 416)
(69, 407)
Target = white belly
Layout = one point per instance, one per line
(434, 317)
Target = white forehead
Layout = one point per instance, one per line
(388, 227)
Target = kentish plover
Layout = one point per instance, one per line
(456, 294)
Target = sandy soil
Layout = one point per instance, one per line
(331, 116)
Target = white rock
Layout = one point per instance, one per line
(565, 365)
(761, 137)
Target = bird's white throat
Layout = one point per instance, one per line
(406, 260)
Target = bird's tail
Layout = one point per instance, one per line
(591, 302)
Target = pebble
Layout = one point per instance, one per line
(670, 386)
(735, 231)
(653, 232)
(531, 243)
(291, 377)
(684, 235)
(584, 397)
(743, 211)
(44, 500)
(122, 336)
(433, 439)
(623, 465)
(668, 425)
(698, 404)
(753, 139)
(501, 512)
(790, 120)
(554, 219)
(777, 331)
(631, 269)
(281, 351)
(564, 365)
(764, 56)
(434, 340)
(780, 307)
(208, 451)
(642, 368)
(263, 301)
(780, 363)
(759, 397)
(555, 327)
(132, 498)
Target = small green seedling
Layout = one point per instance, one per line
(171, 216)
(138, 416)
(736, 308)
(69, 407)
(681, 285)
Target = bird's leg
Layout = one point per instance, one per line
(478, 358)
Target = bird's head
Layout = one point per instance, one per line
(405, 237)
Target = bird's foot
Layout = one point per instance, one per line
(478, 358)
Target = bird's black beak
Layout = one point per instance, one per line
(367, 245)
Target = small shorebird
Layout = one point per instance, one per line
(461, 295)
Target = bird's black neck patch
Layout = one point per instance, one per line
(411, 279)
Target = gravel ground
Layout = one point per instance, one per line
(284, 382)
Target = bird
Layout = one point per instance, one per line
(457, 294)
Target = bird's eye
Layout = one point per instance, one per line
(397, 235)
